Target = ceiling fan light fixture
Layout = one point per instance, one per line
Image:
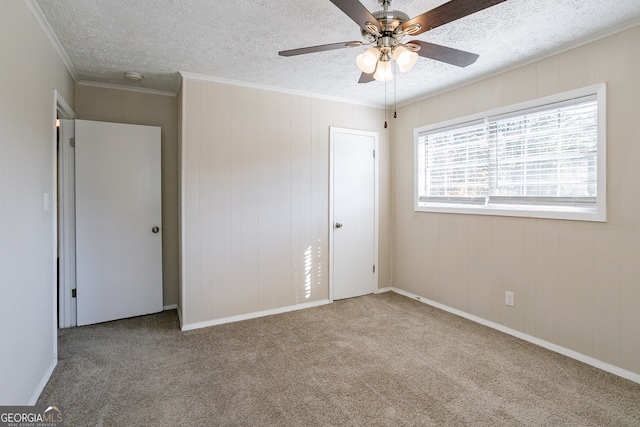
(405, 58)
(367, 61)
(383, 71)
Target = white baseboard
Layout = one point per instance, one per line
(383, 290)
(248, 316)
(43, 382)
(632, 376)
(169, 307)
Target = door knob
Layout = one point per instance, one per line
(155, 229)
(338, 225)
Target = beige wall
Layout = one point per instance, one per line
(30, 70)
(126, 106)
(576, 284)
(255, 180)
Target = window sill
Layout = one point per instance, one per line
(542, 212)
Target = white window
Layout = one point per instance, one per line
(543, 159)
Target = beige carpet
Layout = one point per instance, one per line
(379, 360)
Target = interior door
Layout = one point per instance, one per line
(353, 212)
(118, 221)
(66, 225)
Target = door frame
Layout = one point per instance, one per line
(64, 224)
(332, 131)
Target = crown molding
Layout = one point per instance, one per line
(187, 75)
(55, 42)
(128, 88)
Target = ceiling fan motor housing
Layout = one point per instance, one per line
(391, 21)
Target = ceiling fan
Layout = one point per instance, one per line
(386, 29)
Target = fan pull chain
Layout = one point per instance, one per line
(395, 94)
(385, 104)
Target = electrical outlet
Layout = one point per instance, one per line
(509, 299)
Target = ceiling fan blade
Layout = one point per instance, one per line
(450, 11)
(365, 78)
(449, 55)
(320, 48)
(356, 11)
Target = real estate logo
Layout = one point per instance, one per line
(31, 416)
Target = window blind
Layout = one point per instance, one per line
(547, 153)
(456, 163)
(542, 157)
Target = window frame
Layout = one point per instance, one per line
(533, 210)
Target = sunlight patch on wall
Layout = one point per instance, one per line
(308, 262)
(319, 261)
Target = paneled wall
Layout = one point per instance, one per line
(30, 70)
(576, 284)
(255, 199)
(138, 108)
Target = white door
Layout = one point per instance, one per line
(353, 212)
(66, 226)
(118, 221)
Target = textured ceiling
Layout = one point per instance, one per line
(239, 40)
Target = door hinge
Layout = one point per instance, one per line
(374, 268)
(374, 154)
(73, 293)
(72, 142)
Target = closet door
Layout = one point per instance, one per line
(353, 248)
